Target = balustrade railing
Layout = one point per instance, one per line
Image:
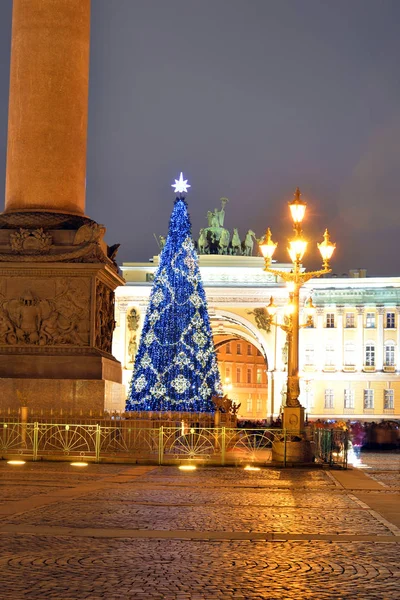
(127, 441)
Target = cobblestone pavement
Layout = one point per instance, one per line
(383, 467)
(117, 531)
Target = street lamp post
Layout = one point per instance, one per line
(293, 413)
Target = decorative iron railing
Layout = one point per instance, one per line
(331, 446)
(124, 441)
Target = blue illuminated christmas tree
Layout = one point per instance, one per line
(176, 366)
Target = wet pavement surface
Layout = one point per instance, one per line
(117, 531)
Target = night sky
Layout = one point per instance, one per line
(249, 98)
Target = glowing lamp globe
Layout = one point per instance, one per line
(268, 246)
(297, 207)
(297, 248)
(326, 248)
(289, 308)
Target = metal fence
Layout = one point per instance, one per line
(331, 446)
(123, 442)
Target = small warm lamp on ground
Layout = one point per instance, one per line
(293, 413)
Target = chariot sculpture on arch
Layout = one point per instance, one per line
(217, 239)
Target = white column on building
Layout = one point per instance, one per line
(319, 350)
(122, 307)
(271, 406)
(280, 356)
(339, 353)
(379, 344)
(360, 338)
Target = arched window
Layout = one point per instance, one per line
(349, 354)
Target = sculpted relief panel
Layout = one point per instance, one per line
(105, 322)
(35, 312)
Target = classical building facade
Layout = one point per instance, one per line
(349, 357)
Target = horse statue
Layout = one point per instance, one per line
(223, 242)
(202, 242)
(236, 244)
(248, 243)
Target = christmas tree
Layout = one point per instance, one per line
(176, 366)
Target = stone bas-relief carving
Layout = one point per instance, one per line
(52, 241)
(262, 318)
(105, 323)
(31, 319)
(31, 242)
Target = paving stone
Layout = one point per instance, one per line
(70, 567)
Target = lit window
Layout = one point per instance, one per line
(259, 404)
(238, 374)
(227, 372)
(349, 354)
(248, 349)
(238, 348)
(228, 348)
(388, 399)
(328, 399)
(330, 320)
(309, 356)
(389, 354)
(368, 399)
(310, 399)
(350, 320)
(370, 320)
(330, 355)
(259, 376)
(390, 320)
(249, 375)
(370, 355)
(348, 398)
(249, 404)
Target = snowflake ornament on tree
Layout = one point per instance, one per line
(176, 366)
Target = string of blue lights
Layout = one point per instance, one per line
(176, 366)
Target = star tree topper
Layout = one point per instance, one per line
(181, 185)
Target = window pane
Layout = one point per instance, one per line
(309, 355)
(328, 398)
(330, 320)
(388, 399)
(390, 320)
(349, 398)
(349, 354)
(389, 355)
(370, 320)
(329, 354)
(370, 355)
(368, 399)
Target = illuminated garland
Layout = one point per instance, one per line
(176, 366)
